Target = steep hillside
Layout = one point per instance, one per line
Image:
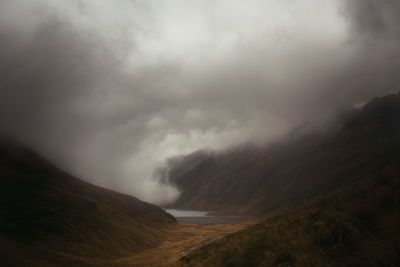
(50, 217)
(358, 227)
(291, 174)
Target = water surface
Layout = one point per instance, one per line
(200, 217)
(186, 213)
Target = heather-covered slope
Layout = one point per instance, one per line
(50, 217)
(291, 174)
(357, 227)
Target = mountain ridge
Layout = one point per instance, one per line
(284, 176)
(50, 217)
(353, 222)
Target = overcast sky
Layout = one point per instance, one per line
(110, 89)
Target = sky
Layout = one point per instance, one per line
(109, 90)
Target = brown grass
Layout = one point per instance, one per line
(180, 238)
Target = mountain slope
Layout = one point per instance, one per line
(50, 217)
(282, 176)
(358, 227)
(356, 224)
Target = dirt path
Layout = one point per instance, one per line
(181, 239)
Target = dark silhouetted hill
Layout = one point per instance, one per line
(352, 217)
(260, 181)
(357, 227)
(48, 217)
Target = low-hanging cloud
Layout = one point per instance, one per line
(111, 89)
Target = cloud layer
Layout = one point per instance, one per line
(110, 89)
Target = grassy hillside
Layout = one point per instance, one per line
(49, 217)
(356, 227)
(352, 214)
(291, 174)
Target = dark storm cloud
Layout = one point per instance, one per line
(375, 35)
(373, 18)
(53, 76)
(109, 90)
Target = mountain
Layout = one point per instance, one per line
(352, 216)
(357, 227)
(48, 217)
(286, 175)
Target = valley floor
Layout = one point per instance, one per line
(180, 240)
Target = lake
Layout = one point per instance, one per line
(200, 217)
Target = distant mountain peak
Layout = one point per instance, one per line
(292, 173)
